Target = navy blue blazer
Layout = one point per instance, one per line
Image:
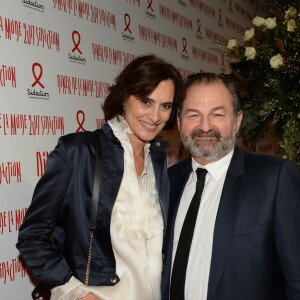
(61, 205)
(256, 243)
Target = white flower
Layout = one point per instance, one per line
(249, 34)
(276, 61)
(231, 44)
(258, 21)
(291, 13)
(291, 25)
(271, 23)
(250, 53)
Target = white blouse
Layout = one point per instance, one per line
(136, 233)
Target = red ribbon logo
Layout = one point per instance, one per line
(127, 21)
(150, 5)
(220, 15)
(37, 77)
(76, 43)
(80, 116)
(184, 44)
(222, 60)
(198, 26)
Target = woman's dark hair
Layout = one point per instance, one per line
(206, 78)
(139, 79)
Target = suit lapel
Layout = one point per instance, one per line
(178, 183)
(226, 219)
(178, 179)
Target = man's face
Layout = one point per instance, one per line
(207, 123)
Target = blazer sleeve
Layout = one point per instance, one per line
(287, 227)
(45, 262)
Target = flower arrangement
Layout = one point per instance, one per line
(266, 68)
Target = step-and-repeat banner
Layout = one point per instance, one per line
(57, 60)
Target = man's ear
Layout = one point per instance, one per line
(239, 121)
(178, 123)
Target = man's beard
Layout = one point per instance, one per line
(209, 149)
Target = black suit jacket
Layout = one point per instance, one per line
(256, 243)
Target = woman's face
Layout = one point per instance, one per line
(147, 117)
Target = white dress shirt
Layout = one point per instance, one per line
(136, 234)
(198, 268)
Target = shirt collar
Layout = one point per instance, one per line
(216, 169)
(121, 130)
(118, 124)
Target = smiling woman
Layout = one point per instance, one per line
(147, 117)
(126, 261)
(140, 79)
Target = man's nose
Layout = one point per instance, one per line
(204, 124)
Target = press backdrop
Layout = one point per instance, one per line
(57, 61)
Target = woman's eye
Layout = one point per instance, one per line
(146, 101)
(167, 106)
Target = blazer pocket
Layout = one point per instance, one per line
(246, 230)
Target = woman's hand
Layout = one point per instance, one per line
(90, 296)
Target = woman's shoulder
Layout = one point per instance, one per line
(78, 143)
(80, 138)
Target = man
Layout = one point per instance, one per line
(246, 238)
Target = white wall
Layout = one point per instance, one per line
(57, 59)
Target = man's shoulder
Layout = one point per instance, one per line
(266, 164)
(265, 160)
(180, 167)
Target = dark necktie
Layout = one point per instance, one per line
(185, 241)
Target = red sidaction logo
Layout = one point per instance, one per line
(127, 21)
(222, 60)
(150, 5)
(39, 76)
(80, 116)
(220, 22)
(76, 42)
(198, 26)
(184, 45)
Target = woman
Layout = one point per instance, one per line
(126, 259)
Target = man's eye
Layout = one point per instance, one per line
(192, 116)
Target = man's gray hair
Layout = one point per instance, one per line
(206, 78)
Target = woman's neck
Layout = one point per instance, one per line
(138, 154)
(137, 145)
